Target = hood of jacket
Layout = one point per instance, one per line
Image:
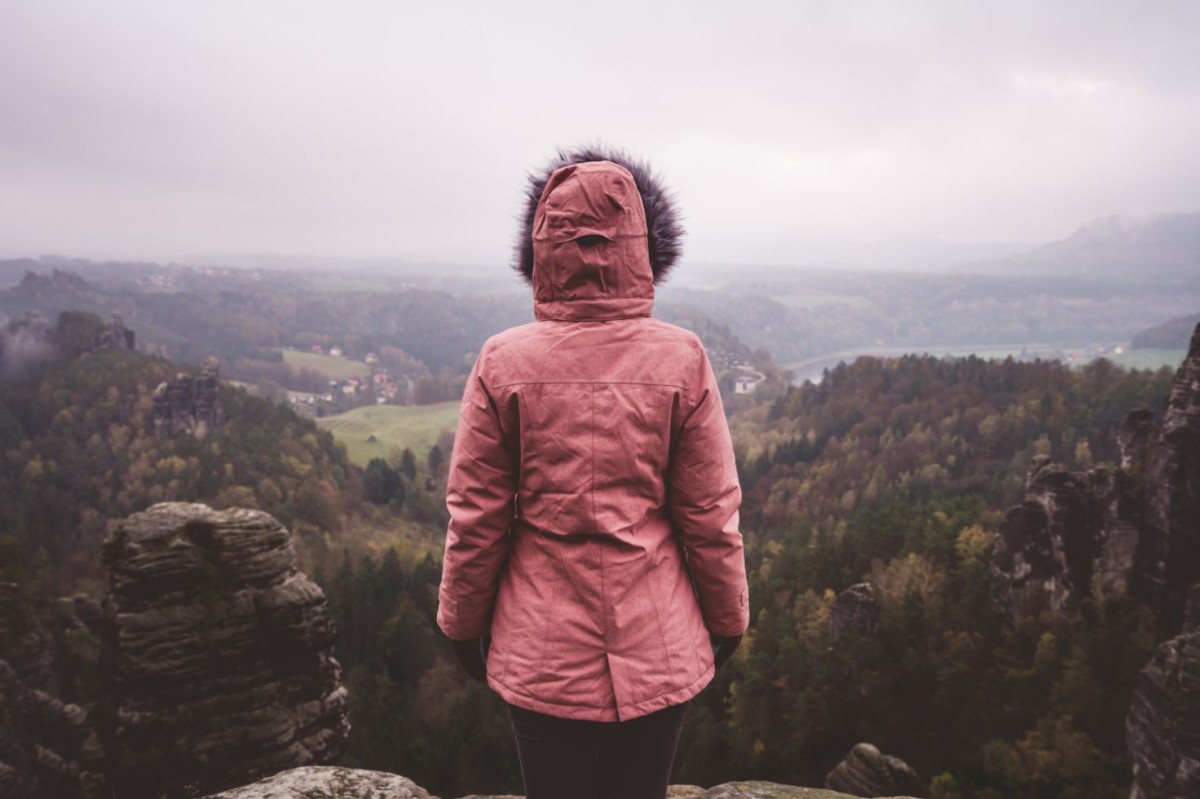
(600, 231)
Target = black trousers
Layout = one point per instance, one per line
(571, 759)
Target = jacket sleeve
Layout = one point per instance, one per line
(479, 496)
(704, 497)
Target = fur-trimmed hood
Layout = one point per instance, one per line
(658, 229)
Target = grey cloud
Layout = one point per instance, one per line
(147, 129)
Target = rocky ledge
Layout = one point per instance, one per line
(332, 782)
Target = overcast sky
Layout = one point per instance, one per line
(155, 129)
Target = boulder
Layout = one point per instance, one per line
(868, 772)
(331, 781)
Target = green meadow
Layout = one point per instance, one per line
(416, 427)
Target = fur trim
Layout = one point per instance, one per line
(663, 223)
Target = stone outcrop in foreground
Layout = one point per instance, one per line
(218, 654)
(346, 783)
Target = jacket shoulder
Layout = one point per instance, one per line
(510, 337)
(682, 333)
(681, 339)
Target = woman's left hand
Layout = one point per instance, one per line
(470, 657)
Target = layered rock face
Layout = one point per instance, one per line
(1162, 730)
(1136, 526)
(190, 406)
(218, 654)
(346, 783)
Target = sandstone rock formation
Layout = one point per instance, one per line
(114, 336)
(345, 783)
(1162, 731)
(218, 654)
(868, 772)
(855, 612)
(1049, 545)
(1174, 473)
(1136, 526)
(190, 406)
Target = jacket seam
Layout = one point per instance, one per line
(592, 458)
(655, 581)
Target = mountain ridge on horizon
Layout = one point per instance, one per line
(1160, 244)
(1166, 244)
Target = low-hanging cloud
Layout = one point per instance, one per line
(25, 342)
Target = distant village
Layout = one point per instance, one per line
(386, 386)
(734, 365)
(381, 387)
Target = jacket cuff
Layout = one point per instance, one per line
(460, 623)
(730, 618)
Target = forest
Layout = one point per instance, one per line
(894, 472)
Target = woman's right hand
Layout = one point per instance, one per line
(723, 648)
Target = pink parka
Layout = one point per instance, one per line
(593, 494)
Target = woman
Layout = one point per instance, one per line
(593, 496)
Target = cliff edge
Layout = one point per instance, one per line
(348, 783)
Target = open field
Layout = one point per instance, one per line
(416, 427)
(327, 365)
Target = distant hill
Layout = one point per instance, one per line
(1166, 245)
(1172, 335)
